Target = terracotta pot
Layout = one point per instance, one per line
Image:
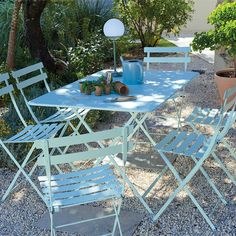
(223, 83)
(98, 91)
(88, 91)
(121, 88)
(107, 89)
(81, 87)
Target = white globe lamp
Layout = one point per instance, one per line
(114, 29)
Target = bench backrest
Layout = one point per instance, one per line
(185, 59)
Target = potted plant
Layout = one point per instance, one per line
(107, 89)
(87, 87)
(98, 88)
(81, 87)
(223, 36)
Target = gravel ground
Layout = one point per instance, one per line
(20, 212)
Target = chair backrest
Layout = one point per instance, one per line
(7, 89)
(30, 76)
(169, 59)
(119, 143)
(225, 123)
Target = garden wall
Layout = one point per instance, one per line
(202, 8)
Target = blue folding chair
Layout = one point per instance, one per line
(211, 117)
(170, 59)
(28, 135)
(97, 183)
(198, 147)
(34, 74)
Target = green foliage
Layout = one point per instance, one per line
(223, 18)
(6, 10)
(66, 24)
(92, 15)
(147, 19)
(60, 25)
(89, 56)
(95, 116)
(85, 17)
(10, 124)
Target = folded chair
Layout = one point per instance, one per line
(93, 184)
(34, 74)
(198, 147)
(211, 117)
(170, 59)
(28, 135)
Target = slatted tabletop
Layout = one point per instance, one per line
(157, 88)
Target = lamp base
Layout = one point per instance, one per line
(116, 74)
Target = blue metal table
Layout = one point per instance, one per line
(158, 87)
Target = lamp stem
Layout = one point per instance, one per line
(114, 52)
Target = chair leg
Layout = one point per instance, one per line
(53, 232)
(21, 170)
(131, 186)
(221, 197)
(155, 181)
(182, 186)
(227, 145)
(223, 168)
(178, 113)
(117, 220)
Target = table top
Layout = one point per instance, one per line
(158, 86)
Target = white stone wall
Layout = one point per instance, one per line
(202, 8)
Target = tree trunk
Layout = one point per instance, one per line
(34, 36)
(12, 35)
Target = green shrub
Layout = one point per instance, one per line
(148, 19)
(223, 18)
(90, 56)
(10, 124)
(92, 15)
(60, 31)
(85, 56)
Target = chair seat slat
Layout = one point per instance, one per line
(28, 134)
(95, 182)
(77, 179)
(167, 139)
(196, 146)
(108, 194)
(176, 141)
(40, 132)
(85, 191)
(19, 136)
(76, 173)
(187, 142)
